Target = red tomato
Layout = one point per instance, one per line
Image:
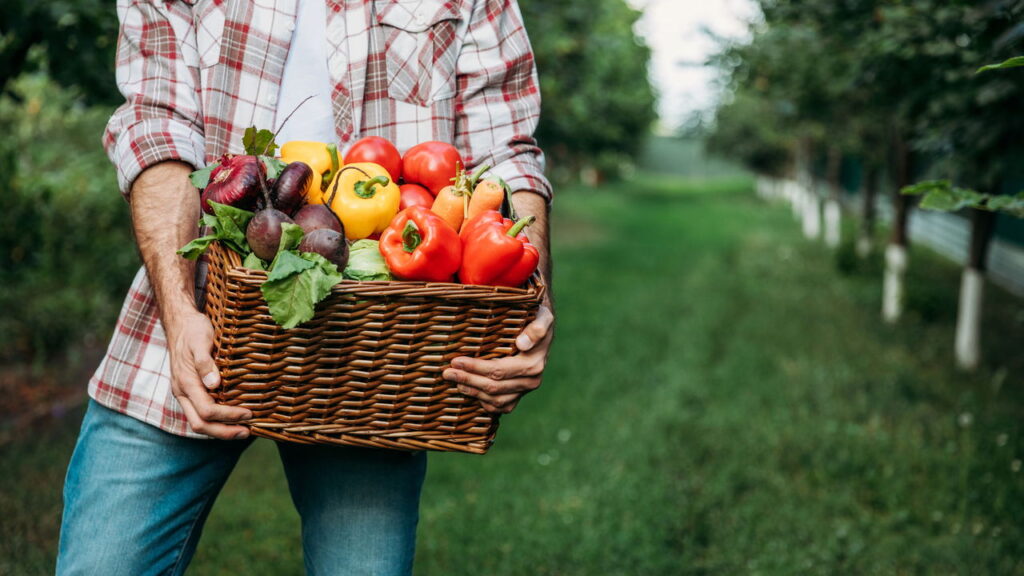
(431, 164)
(379, 151)
(415, 195)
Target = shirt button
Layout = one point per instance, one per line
(421, 17)
(272, 99)
(290, 26)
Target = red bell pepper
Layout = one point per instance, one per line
(420, 245)
(495, 252)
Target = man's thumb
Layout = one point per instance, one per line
(207, 369)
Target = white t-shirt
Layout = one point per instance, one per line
(305, 75)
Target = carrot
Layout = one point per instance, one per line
(488, 195)
(450, 206)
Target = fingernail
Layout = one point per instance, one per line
(451, 375)
(211, 380)
(247, 416)
(458, 364)
(464, 390)
(524, 342)
(242, 435)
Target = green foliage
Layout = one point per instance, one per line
(73, 40)
(296, 284)
(66, 251)
(864, 74)
(942, 196)
(750, 130)
(598, 101)
(227, 224)
(1015, 62)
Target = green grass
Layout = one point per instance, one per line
(721, 399)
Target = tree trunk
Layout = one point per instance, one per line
(972, 288)
(896, 257)
(901, 203)
(794, 192)
(833, 210)
(866, 238)
(811, 201)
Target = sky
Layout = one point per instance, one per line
(674, 31)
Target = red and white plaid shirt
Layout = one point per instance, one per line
(196, 73)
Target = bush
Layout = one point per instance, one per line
(67, 253)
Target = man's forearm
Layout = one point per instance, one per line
(165, 209)
(531, 204)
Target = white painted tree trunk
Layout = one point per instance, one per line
(795, 195)
(833, 223)
(968, 319)
(812, 215)
(892, 289)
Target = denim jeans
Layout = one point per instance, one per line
(136, 498)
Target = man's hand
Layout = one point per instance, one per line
(165, 208)
(500, 384)
(193, 374)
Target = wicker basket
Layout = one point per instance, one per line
(366, 370)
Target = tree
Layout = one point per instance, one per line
(893, 82)
(598, 100)
(73, 40)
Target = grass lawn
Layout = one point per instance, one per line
(722, 399)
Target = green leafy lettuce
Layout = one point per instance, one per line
(365, 262)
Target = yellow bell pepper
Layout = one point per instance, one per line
(321, 157)
(364, 198)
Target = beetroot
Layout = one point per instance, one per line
(264, 232)
(330, 244)
(238, 182)
(316, 216)
(289, 190)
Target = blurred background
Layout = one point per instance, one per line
(769, 359)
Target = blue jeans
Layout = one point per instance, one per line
(136, 498)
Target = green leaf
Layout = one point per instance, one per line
(940, 200)
(287, 264)
(922, 188)
(291, 235)
(296, 285)
(194, 249)
(273, 165)
(253, 262)
(231, 225)
(324, 264)
(1013, 205)
(1015, 62)
(258, 142)
(201, 178)
(227, 224)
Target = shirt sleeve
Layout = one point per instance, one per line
(158, 74)
(498, 97)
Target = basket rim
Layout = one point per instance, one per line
(534, 291)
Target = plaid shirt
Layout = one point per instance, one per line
(196, 73)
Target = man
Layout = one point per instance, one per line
(195, 74)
